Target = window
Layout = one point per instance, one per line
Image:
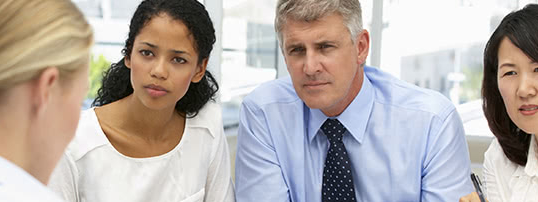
(439, 44)
(435, 44)
(123, 9)
(249, 52)
(90, 8)
(110, 22)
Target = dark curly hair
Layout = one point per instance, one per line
(117, 82)
(521, 27)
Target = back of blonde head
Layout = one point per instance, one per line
(36, 34)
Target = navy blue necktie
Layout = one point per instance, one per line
(337, 178)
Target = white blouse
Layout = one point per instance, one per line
(507, 181)
(17, 185)
(197, 169)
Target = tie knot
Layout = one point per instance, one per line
(333, 129)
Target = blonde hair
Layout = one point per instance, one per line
(36, 34)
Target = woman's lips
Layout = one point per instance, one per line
(528, 110)
(155, 90)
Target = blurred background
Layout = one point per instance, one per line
(435, 44)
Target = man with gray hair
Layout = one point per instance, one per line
(337, 130)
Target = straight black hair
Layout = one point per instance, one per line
(521, 28)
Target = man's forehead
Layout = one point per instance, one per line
(305, 17)
(299, 32)
(292, 23)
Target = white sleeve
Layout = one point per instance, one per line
(64, 179)
(490, 171)
(219, 186)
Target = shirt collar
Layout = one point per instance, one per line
(531, 168)
(13, 174)
(355, 117)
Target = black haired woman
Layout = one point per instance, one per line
(155, 134)
(510, 94)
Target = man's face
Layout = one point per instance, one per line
(324, 63)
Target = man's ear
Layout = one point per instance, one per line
(363, 46)
(200, 71)
(43, 87)
(127, 62)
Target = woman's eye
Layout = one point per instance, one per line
(535, 69)
(509, 73)
(179, 60)
(146, 53)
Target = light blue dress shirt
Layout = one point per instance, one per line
(405, 144)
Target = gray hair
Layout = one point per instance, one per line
(311, 10)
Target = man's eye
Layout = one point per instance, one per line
(296, 50)
(324, 46)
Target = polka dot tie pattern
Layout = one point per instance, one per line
(337, 178)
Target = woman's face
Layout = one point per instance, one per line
(73, 92)
(59, 119)
(163, 62)
(517, 78)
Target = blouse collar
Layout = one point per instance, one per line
(531, 168)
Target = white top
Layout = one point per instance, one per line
(17, 185)
(197, 169)
(507, 181)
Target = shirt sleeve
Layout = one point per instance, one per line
(64, 178)
(493, 191)
(258, 175)
(219, 185)
(446, 167)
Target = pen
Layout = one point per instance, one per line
(478, 186)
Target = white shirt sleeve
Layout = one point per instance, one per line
(491, 172)
(219, 186)
(64, 178)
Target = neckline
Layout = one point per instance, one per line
(174, 150)
(355, 117)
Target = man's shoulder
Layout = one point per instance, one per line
(278, 91)
(394, 92)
